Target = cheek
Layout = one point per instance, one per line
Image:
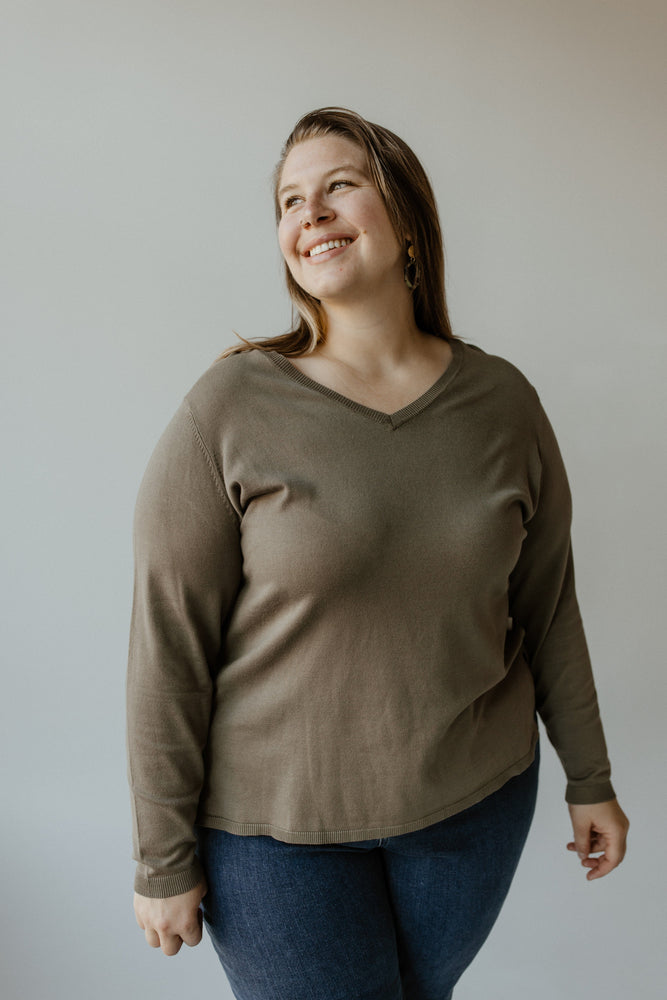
(378, 223)
(372, 213)
(287, 237)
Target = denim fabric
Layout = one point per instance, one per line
(394, 919)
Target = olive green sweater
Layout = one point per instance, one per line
(345, 620)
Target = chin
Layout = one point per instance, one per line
(327, 291)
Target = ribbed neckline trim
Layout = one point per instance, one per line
(392, 420)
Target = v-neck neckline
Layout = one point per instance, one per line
(391, 420)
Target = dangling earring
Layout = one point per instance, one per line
(412, 272)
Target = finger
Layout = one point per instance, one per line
(171, 944)
(602, 867)
(582, 842)
(192, 933)
(608, 861)
(589, 861)
(582, 828)
(580, 851)
(152, 937)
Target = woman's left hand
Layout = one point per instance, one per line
(599, 830)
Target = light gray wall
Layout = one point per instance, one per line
(137, 233)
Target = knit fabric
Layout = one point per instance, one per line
(344, 620)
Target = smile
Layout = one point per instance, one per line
(330, 245)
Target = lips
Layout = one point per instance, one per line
(326, 243)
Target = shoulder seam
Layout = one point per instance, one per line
(212, 467)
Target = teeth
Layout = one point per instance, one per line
(331, 245)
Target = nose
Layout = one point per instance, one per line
(315, 210)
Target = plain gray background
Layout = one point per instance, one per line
(137, 233)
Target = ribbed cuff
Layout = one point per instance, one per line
(163, 886)
(589, 795)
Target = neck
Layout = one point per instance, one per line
(371, 336)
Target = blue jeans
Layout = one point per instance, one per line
(399, 918)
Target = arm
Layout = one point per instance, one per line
(187, 572)
(544, 602)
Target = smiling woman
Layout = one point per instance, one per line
(354, 590)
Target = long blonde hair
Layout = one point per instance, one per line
(402, 182)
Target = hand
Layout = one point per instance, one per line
(600, 830)
(170, 922)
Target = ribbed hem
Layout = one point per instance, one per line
(589, 795)
(163, 886)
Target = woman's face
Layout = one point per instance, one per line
(327, 197)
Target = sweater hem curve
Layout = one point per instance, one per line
(351, 834)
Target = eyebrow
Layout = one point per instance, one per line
(344, 168)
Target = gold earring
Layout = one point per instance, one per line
(412, 272)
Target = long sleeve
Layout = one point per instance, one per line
(543, 602)
(319, 647)
(187, 573)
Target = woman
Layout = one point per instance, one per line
(354, 588)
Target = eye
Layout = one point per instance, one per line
(340, 183)
(292, 200)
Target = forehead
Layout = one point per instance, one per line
(327, 152)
